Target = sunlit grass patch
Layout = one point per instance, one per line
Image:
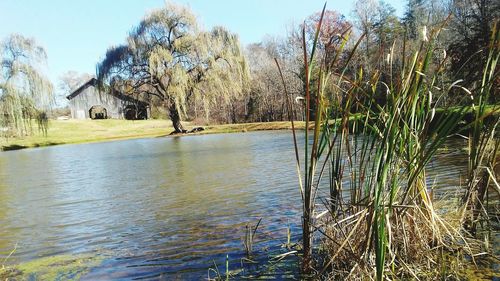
(81, 131)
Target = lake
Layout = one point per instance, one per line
(162, 207)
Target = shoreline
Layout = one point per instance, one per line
(92, 131)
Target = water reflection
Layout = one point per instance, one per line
(177, 201)
(166, 205)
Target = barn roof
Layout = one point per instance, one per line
(93, 82)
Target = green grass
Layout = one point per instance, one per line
(80, 131)
(83, 131)
(244, 127)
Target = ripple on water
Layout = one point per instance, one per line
(160, 206)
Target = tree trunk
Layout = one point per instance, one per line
(175, 117)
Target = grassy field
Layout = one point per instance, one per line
(82, 131)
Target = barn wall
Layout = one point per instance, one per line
(81, 104)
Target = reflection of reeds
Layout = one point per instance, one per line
(384, 224)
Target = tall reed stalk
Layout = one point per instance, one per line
(316, 114)
(374, 155)
(483, 142)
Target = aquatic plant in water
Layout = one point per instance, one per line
(62, 267)
(380, 219)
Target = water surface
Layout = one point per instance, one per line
(158, 207)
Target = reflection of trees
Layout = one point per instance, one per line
(26, 194)
(5, 243)
(446, 170)
(141, 195)
(205, 173)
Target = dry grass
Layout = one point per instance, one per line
(423, 245)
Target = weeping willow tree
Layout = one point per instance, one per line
(168, 57)
(25, 93)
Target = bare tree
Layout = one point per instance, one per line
(365, 16)
(69, 82)
(471, 29)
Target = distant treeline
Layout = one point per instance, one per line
(206, 76)
(461, 29)
(215, 81)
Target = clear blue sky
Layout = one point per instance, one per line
(77, 33)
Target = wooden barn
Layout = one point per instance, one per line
(88, 102)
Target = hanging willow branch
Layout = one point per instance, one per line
(167, 56)
(25, 93)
